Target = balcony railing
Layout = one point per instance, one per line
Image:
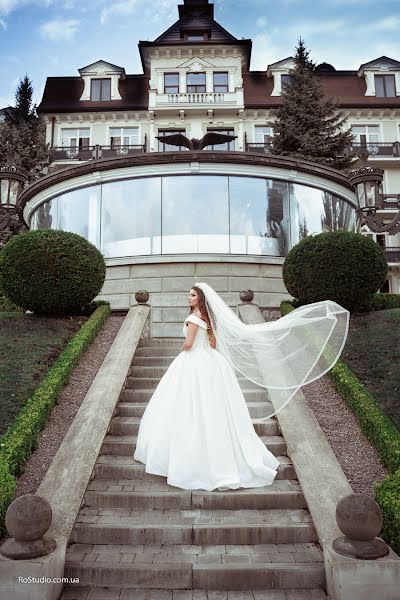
(379, 149)
(259, 148)
(392, 254)
(94, 152)
(195, 98)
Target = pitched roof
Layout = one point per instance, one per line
(62, 95)
(345, 86)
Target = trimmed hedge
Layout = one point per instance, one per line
(51, 272)
(381, 432)
(342, 266)
(21, 438)
(379, 301)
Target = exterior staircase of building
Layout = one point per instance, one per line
(136, 537)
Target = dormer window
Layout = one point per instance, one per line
(100, 90)
(385, 86)
(286, 79)
(195, 36)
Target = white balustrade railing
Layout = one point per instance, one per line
(196, 98)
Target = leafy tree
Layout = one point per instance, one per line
(308, 125)
(23, 134)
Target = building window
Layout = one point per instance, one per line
(196, 82)
(226, 145)
(75, 138)
(162, 147)
(124, 136)
(100, 89)
(385, 86)
(263, 134)
(220, 82)
(371, 133)
(171, 83)
(286, 80)
(195, 36)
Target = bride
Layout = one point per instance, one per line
(196, 429)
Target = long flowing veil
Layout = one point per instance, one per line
(280, 355)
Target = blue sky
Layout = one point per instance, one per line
(56, 37)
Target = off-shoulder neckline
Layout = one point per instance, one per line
(196, 317)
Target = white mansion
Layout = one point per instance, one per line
(164, 216)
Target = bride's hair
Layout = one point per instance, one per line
(203, 310)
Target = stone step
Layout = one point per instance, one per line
(136, 409)
(125, 467)
(162, 341)
(95, 525)
(135, 494)
(152, 361)
(140, 383)
(123, 444)
(157, 351)
(140, 395)
(130, 425)
(203, 567)
(81, 592)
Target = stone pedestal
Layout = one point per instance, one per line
(354, 579)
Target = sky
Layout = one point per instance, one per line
(50, 38)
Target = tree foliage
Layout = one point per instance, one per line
(308, 125)
(23, 134)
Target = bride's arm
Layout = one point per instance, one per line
(191, 334)
(213, 342)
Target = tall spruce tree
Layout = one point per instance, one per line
(24, 134)
(308, 125)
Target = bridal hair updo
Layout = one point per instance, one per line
(203, 311)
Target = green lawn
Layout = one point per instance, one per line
(372, 352)
(29, 346)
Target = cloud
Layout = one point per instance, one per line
(3, 24)
(59, 30)
(122, 7)
(261, 22)
(389, 23)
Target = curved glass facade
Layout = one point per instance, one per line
(183, 214)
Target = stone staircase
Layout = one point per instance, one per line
(137, 538)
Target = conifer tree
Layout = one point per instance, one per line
(23, 134)
(308, 125)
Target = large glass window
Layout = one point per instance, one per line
(131, 217)
(195, 214)
(78, 211)
(196, 82)
(259, 216)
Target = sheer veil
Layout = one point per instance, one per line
(282, 355)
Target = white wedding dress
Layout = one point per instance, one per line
(196, 429)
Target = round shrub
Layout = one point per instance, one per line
(51, 271)
(342, 266)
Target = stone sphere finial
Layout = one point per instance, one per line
(27, 519)
(246, 295)
(360, 518)
(142, 296)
